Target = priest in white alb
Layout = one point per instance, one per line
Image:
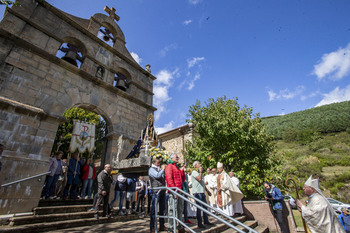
(238, 208)
(228, 194)
(318, 213)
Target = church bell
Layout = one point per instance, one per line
(71, 57)
(121, 83)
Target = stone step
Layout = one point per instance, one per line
(61, 209)
(16, 221)
(48, 227)
(262, 229)
(43, 203)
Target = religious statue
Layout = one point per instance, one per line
(148, 138)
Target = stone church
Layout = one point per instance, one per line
(51, 61)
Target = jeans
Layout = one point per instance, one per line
(117, 194)
(87, 184)
(161, 204)
(50, 185)
(201, 196)
(185, 211)
(179, 208)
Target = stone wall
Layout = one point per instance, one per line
(37, 88)
(260, 211)
(175, 140)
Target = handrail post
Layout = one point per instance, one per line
(174, 212)
(156, 210)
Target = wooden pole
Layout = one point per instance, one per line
(297, 193)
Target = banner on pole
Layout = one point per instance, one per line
(83, 137)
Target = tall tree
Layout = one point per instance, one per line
(225, 132)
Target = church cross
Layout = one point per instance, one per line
(111, 12)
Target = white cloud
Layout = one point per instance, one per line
(194, 61)
(285, 94)
(187, 22)
(165, 128)
(136, 57)
(161, 90)
(191, 84)
(313, 94)
(166, 49)
(334, 65)
(335, 96)
(194, 2)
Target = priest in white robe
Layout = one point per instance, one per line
(228, 193)
(318, 213)
(209, 180)
(238, 208)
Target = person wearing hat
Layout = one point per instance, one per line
(228, 193)
(344, 219)
(318, 213)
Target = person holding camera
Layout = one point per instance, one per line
(275, 198)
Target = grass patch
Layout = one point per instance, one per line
(297, 218)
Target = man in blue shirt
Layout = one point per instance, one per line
(344, 219)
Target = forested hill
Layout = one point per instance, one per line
(324, 119)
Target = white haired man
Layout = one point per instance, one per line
(198, 190)
(104, 180)
(318, 213)
(238, 208)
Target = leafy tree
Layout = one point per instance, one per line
(64, 132)
(8, 3)
(225, 132)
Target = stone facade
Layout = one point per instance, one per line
(37, 88)
(174, 140)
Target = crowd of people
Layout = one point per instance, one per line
(72, 180)
(215, 187)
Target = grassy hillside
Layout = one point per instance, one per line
(315, 141)
(325, 119)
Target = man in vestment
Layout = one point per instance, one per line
(227, 192)
(318, 213)
(213, 188)
(238, 208)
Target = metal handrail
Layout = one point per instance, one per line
(172, 191)
(24, 179)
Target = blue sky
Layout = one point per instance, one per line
(275, 56)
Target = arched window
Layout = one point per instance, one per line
(106, 35)
(70, 53)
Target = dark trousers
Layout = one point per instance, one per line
(104, 199)
(201, 196)
(185, 211)
(72, 184)
(141, 200)
(280, 220)
(50, 185)
(161, 208)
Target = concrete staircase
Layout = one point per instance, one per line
(58, 214)
(73, 216)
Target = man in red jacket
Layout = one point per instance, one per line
(175, 177)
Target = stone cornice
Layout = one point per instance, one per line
(27, 109)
